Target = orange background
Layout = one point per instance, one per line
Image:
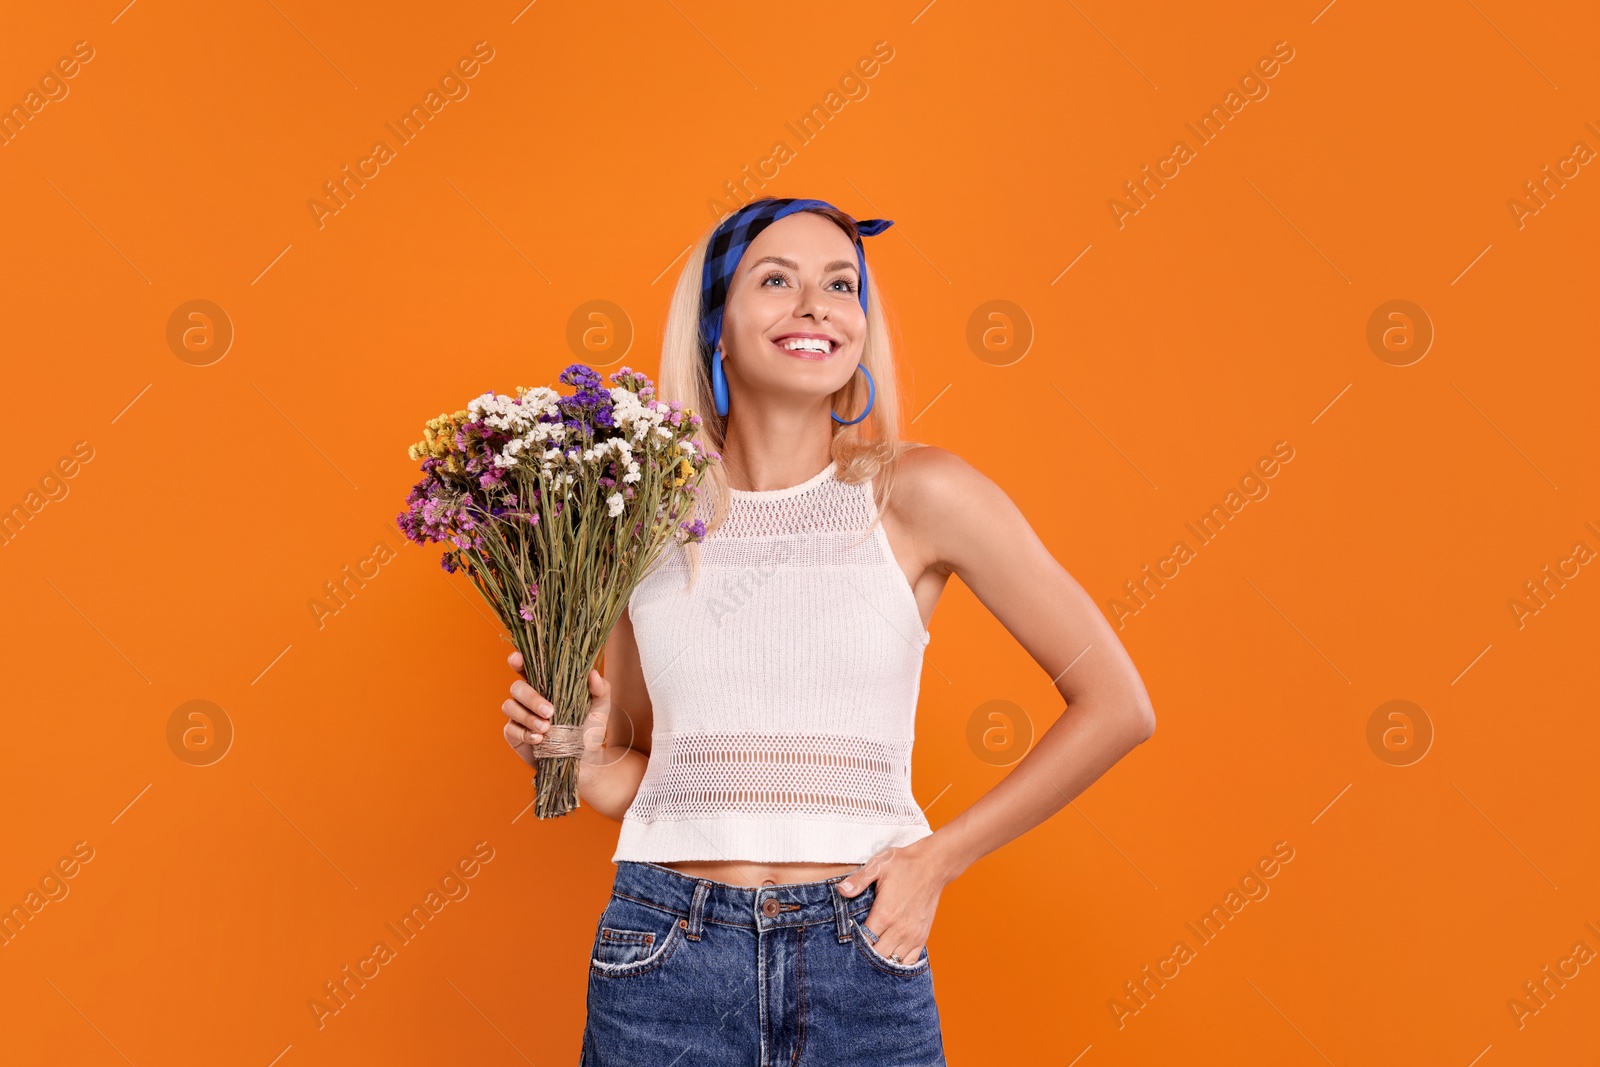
(1229, 313)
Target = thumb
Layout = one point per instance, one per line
(594, 724)
(858, 880)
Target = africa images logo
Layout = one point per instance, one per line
(411, 125)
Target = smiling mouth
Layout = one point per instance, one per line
(804, 352)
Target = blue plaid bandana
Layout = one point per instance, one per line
(727, 248)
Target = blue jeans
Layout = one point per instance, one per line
(688, 972)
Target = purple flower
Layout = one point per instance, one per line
(629, 378)
(580, 374)
(591, 406)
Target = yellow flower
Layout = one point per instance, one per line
(439, 436)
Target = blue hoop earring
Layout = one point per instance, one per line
(719, 384)
(871, 390)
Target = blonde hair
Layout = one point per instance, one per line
(863, 451)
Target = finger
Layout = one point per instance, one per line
(524, 733)
(594, 732)
(860, 879)
(869, 872)
(533, 706)
(530, 698)
(523, 717)
(890, 943)
(517, 736)
(515, 659)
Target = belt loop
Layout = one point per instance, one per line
(702, 890)
(840, 914)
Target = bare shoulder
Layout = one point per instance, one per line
(930, 480)
(944, 503)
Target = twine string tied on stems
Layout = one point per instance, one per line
(560, 741)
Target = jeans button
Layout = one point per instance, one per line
(769, 907)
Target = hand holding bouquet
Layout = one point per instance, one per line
(556, 507)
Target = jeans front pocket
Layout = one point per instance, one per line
(634, 938)
(865, 942)
(616, 947)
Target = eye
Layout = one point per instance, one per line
(844, 280)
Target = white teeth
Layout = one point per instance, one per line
(809, 344)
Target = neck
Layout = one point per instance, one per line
(775, 449)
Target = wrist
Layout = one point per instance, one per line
(945, 851)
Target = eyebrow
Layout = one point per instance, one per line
(838, 264)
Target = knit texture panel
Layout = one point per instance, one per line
(784, 686)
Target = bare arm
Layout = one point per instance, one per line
(608, 783)
(968, 524)
(616, 729)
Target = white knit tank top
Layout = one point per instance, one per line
(784, 685)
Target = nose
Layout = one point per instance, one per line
(812, 302)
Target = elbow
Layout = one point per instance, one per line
(1144, 723)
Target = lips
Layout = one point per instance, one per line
(801, 353)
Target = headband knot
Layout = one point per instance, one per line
(727, 247)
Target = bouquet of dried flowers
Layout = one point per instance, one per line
(556, 507)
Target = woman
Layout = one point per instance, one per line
(776, 880)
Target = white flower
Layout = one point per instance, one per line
(501, 412)
(615, 503)
(541, 400)
(507, 456)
